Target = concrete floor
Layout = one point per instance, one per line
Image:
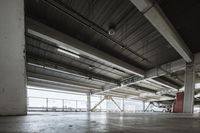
(100, 123)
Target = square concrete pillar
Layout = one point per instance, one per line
(12, 58)
(88, 102)
(188, 104)
(123, 105)
(143, 105)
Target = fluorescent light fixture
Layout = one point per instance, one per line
(36, 65)
(71, 50)
(56, 70)
(61, 71)
(66, 72)
(146, 81)
(68, 53)
(62, 49)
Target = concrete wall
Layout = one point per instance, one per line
(12, 58)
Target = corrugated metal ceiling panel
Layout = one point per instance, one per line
(133, 32)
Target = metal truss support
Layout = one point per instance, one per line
(147, 107)
(98, 104)
(116, 104)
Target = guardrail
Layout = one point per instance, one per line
(42, 104)
(55, 104)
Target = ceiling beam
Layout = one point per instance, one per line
(115, 95)
(45, 86)
(169, 95)
(36, 77)
(119, 92)
(159, 82)
(164, 83)
(175, 79)
(45, 32)
(167, 68)
(57, 84)
(125, 95)
(142, 88)
(170, 67)
(37, 61)
(157, 18)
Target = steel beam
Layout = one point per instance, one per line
(168, 95)
(116, 104)
(160, 82)
(107, 89)
(54, 36)
(115, 93)
(142, 88)
(157, 18)
(137, 98)
(156, 72)
(53, 88)
(98, 104)
(147, 107)
(122, 92)
(70, 70)
(56, 86)
(36, 77)
(164, 83)
(170, 67)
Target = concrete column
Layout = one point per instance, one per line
(188, 104)
(88, 102)
(100, 105)
(12, 58)
(123, 105)
(143, 103)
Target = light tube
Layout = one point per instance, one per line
(68, 53)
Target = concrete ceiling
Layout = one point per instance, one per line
(136, 62)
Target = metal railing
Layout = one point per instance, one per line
(55, 104)
(68, 105)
